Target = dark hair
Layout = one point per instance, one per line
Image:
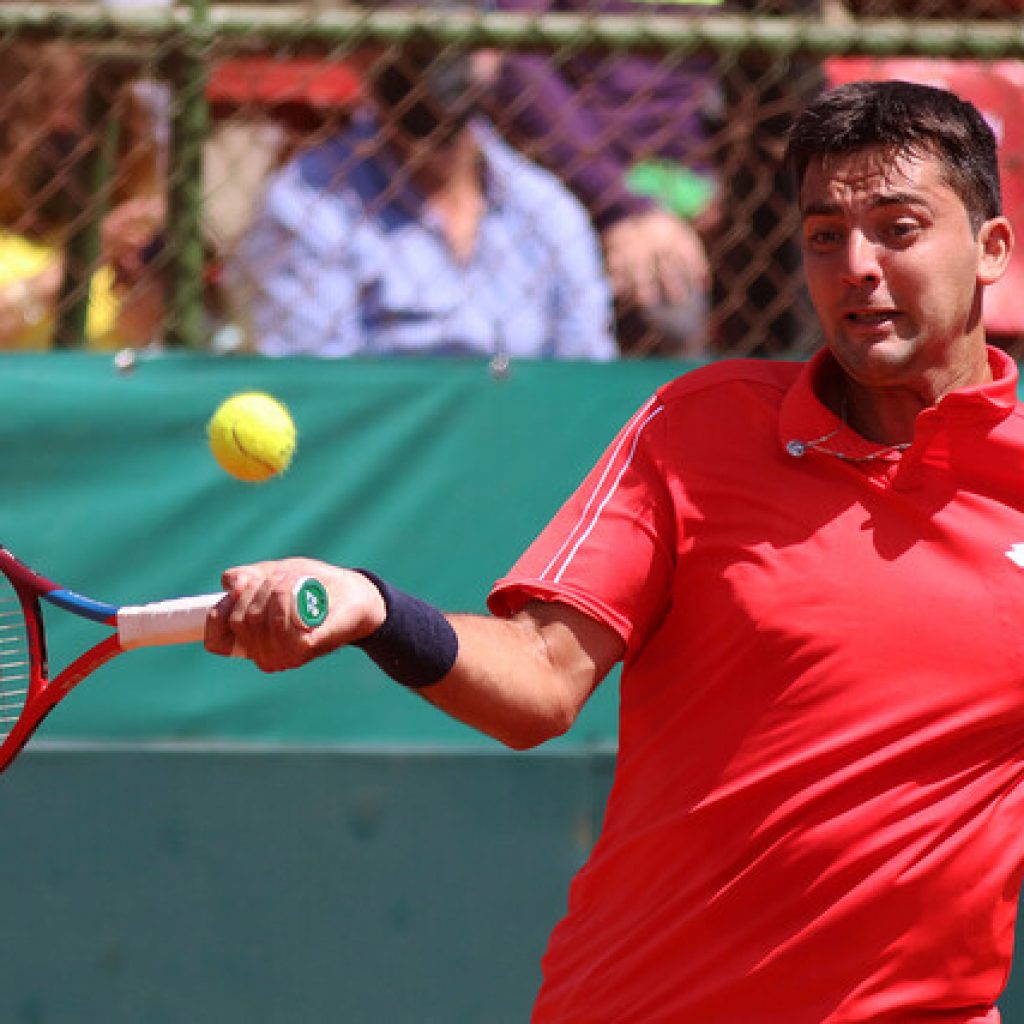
(425, 90)
(908, 118)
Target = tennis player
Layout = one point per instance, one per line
(814, 575)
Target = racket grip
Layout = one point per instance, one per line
(178, 621)
(182, 620)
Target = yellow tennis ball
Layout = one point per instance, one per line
(252, 436)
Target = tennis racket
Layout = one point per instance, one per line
(28, 694)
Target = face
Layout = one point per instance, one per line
(426, 96)
(894, 268)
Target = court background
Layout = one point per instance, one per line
(192, 841)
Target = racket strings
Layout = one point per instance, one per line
(15, 661)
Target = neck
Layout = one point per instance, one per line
(888, 413)
(887, 419)
(452, 183)
(451, 169)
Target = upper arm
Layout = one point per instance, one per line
(523, 680)
(580, 649)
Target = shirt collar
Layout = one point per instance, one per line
(803, 417)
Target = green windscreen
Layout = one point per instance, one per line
(434, 473)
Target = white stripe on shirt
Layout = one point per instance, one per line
(587, 522)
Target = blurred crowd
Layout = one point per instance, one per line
(413, 200)
(45, 137)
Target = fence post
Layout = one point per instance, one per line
(187, 73)
(94, 175)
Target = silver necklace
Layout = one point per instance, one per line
(798, 449)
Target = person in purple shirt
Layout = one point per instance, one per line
(641, 139)
(627, 133)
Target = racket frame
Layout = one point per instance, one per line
(42, 692)
(175, 621)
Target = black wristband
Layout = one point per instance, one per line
(415, 644)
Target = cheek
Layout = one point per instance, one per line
(947, 284)
(821, 281)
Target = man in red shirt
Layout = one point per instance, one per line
(811, 573)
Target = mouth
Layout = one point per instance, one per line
(870, 317)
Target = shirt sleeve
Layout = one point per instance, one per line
(291, 274)
(543, 107)
(581, 295)
(609, 551)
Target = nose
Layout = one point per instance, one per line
(862, 266)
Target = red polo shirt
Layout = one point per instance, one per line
(818, 807)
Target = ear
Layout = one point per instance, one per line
(995, 247)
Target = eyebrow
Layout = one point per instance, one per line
(833, 209)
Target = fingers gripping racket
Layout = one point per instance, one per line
(28, 694)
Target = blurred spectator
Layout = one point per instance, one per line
(416, 230)
(627, 133)
(43, 140)
(944, 9)
(264, 108)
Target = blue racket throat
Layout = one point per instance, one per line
(98, 611)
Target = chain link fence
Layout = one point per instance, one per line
(289, 178)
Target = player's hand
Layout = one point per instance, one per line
(655, 257)
(258, 613)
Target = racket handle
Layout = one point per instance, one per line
(178, 621)
(182, 620)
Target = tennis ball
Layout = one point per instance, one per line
(252, 436)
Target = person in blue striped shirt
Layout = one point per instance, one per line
(417, 231)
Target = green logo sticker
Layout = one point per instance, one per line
(311, 602)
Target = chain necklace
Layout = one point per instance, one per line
(798, 449)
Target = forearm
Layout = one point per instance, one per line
(505, 682)
(520, 680)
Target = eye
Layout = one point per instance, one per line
(822, 239)
(902, 231)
